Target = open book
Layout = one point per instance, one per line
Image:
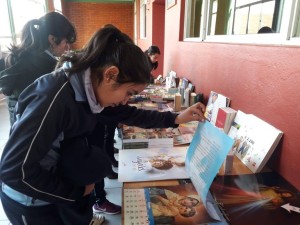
(203, 160)
(255, 140)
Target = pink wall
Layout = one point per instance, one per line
(262, 80)
(158, 36)
(154, 30)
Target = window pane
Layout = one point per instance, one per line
(240, 3)
(241, 20)
(143, 20)
(193, 18)
(5, 32)
(21, 16)
(57, 5)
(4, 18)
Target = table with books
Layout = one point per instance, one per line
(192, 184)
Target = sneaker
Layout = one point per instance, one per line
(97, 219)
(107, 207)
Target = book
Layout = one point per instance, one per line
(225, 118)
(174, 205)
(182, 139)
(135, 137)
(203, 159)
(260, 199)
(152, 164)
(239, 119)
(186, 135)
(255, 142)
(215, 101)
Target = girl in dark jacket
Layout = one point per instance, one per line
(42, 40)
(48, 166)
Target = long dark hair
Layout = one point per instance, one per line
(34, 36)
(110, 47)
(152, 50)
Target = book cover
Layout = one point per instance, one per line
(154, 164)
(173, 205)
(215, 101)
(260, 199)
(256, 140)
(225, 118)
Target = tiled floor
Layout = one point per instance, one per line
(112, 187)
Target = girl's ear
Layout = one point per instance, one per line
(111, 73)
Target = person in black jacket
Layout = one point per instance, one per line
(152, 54)
(42, 40)
(48, 166)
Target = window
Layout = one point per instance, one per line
(57, 6)
(195, 20)
(13, 17)
(143, 10)
(240, 21)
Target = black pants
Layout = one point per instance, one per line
(79, 213)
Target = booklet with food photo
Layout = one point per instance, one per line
(152, 164)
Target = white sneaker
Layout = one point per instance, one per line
(97, 219)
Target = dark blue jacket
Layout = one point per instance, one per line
(48, 156)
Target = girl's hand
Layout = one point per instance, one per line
(193, 113)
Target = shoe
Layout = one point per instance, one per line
(113, 175)
(107, 207)
(116, 150)
(97, 219)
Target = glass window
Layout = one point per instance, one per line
(193, 20)
(13, 17)
(239, 20)
(143, 20)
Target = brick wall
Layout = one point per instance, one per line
(90, 16)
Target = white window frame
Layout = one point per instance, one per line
(143, 20)
(290, 18)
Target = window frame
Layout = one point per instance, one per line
(290, 19)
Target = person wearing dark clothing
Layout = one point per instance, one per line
(48, 166)
(42, 40)
(152, 54)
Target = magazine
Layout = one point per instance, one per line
(152, 164)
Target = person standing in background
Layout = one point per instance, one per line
(42, 41)
(153, 54)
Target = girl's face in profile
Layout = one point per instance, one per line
(154, 57)
(110, 93)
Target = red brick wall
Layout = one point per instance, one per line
(88, 17)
